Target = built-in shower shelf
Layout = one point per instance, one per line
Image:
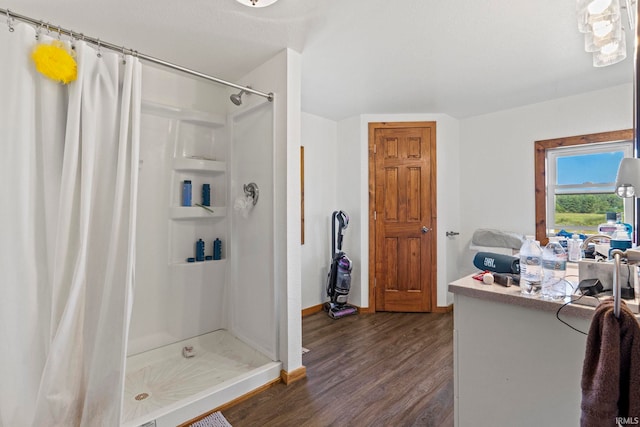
(195, 117)
(199, 263)
(198, 165)
(196, 212)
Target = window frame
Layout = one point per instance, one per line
(540, 157)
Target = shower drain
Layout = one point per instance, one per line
(141, 396)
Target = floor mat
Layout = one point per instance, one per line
(214, 420)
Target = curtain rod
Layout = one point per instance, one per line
(79, 36)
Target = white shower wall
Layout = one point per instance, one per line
(175, 300)
(252, 289)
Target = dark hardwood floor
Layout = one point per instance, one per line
(383, 369)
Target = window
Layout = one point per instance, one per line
(581, 184)
(575, 180)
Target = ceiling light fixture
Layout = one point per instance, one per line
(257, 3)
(600, 20)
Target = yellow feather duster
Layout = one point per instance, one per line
(53, 61)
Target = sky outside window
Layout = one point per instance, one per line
(597, 168)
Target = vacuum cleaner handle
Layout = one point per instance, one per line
(343, 223)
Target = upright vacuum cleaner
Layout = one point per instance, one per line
(339, 278)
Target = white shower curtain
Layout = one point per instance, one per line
(68, 183)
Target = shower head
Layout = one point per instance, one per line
(236, 98)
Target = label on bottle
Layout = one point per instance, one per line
(607, 229)
(530, 260)
(530, 268)
(552, 264)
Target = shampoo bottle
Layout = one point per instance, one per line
(206, 194)
(200, 250)
(217, 249)
(186, 193)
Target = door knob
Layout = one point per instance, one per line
(452, 233)
(425, 229)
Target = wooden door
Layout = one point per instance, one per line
(404, 215)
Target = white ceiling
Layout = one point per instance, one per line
(461, 58)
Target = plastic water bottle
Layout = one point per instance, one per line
(530, 267)
(554, 268)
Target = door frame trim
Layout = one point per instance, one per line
(433, 279)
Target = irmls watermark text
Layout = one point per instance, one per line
(627, 421)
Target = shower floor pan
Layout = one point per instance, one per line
(163, 386)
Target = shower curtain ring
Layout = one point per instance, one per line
(99, 49)
(59, 32)
(9, 21)
(39, 30)
(124, 56)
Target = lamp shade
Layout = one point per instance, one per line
(610, 53)
(628, 178)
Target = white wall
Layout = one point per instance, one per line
(351, 161)
(497, 162)
(281, 75)
(252, 292)
(164, 86)
(321, 185)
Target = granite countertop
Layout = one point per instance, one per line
(584, 308)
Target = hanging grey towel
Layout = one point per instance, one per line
(611, 370)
